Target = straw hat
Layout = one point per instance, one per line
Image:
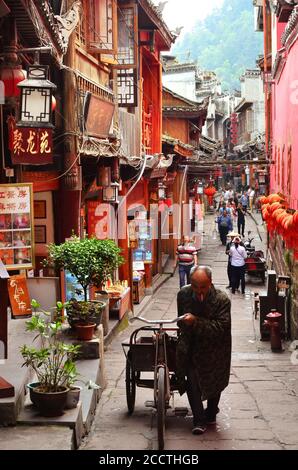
(233, 234)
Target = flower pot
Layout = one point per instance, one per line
(73, 397)
(81, 311)
(49, 404)
(85, 331)
(31, 386)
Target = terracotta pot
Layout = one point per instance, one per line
(85, 331)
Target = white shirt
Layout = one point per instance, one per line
(238, 256)
(252, 194)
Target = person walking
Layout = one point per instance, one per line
(241, 219)
(238, 256)
(244, 201)
(187, 257)
(225, 225)
(229, 266)
(251, 199)
(203, 353)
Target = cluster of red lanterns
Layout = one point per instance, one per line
(280, 219)
(210, 192)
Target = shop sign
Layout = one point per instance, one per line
(19, 296)
(98, 116)
(31, 146)
(16, 226)
(158, 173)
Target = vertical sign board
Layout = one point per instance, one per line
(19, 296)
(16, 226)
(4, 303)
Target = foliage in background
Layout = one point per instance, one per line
(224, 42)
(90, 260)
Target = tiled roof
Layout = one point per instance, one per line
(156, 17)
(292, 24)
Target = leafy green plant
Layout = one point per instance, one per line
(90, 261)
(80, 311)
(53, 362)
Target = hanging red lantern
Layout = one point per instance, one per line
(54, 103)
(11, 75)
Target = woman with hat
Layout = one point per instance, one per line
(238, 256)
(232, 235)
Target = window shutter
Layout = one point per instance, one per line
(127, 87)
(102, 19)
(127, 35)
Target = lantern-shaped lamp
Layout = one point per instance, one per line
(36, 98)
(110, 193)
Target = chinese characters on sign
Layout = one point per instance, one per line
(31, 146)
(16, 226)
(19, 296)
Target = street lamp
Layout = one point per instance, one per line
(36, 98)
(110, 193)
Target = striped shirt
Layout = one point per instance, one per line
(186, 254)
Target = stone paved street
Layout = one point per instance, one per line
(259, 409)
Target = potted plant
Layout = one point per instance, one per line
(52, 361)
(73, 395)
(92, 262)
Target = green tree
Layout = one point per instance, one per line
(225, 42)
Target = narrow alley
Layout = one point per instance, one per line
(259, 409)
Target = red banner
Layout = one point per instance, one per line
(30, 146)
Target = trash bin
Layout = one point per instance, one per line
(103, 296)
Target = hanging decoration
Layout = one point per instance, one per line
(281, 220)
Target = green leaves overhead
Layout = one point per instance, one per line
(225, 42)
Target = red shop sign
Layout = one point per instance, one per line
(31, 146)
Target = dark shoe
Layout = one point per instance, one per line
(233, 292)
(199, 429)
(210, 419)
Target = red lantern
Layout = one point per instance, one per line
(54, 103)
(10, 76)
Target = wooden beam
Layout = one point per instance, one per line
(228, 162)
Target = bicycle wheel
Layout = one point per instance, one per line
(161, 408)
(130, 385)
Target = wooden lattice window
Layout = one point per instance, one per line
(102, 26)
(127, 36)
(127, 87)
(81, 28)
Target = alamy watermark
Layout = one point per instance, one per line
(176, 221)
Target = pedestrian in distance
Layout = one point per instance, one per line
(225, 225)
(241, 219)
(251, 199)
(232, 236)
(238, 256)
(244, 201)
(203, 353)
(187, 257)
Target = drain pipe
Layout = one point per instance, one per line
(180, 201)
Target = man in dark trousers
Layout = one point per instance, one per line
(203, 353)
(241, 219)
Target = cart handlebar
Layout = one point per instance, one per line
(157, 322)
